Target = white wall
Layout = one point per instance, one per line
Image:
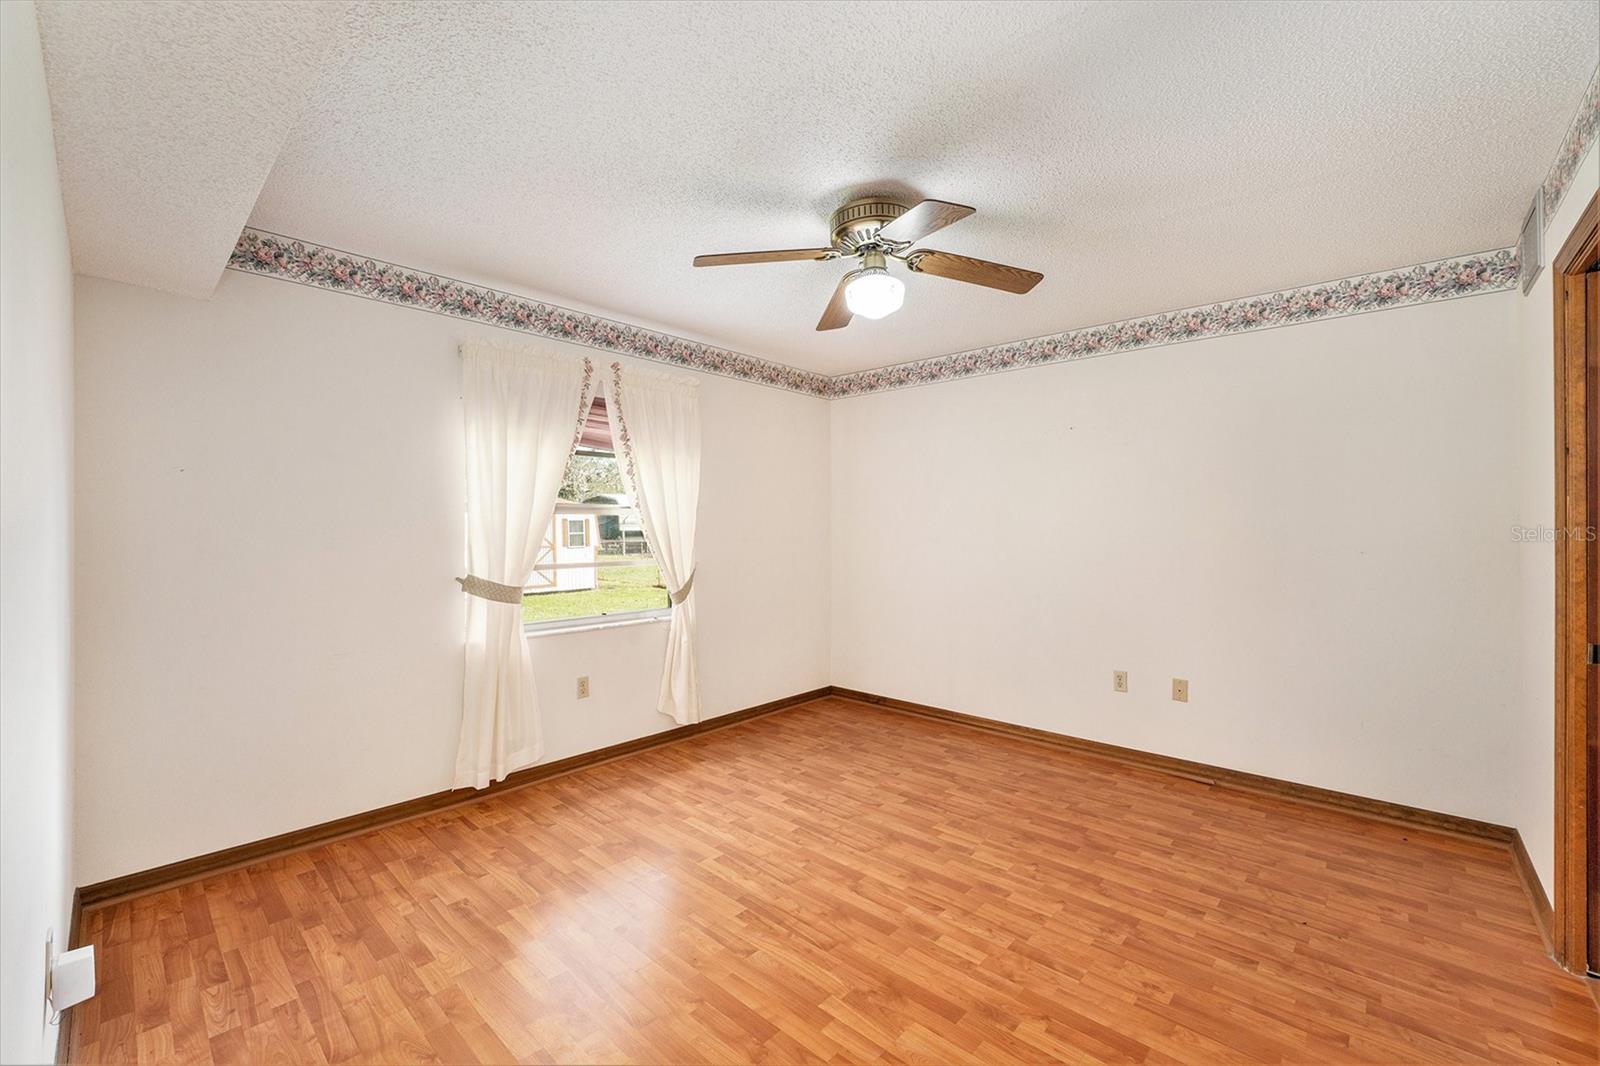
(269, 518)
(35, 545)
(269, 515)
(1310, 524)
(1532, 760)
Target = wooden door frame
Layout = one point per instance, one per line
(1577, 407)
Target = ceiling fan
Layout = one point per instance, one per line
(875, 230)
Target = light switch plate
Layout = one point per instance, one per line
(1180, 690)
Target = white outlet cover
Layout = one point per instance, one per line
(72, 977)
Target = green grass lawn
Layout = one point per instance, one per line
(621, 589)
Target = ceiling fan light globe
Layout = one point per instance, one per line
(874, 293)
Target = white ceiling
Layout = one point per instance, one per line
(1143, 156)
(167, 118)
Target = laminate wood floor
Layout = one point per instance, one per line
(843, 883)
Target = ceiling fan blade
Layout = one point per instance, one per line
(925, 218)
(838, 315)
(974, 271)
(786, 255)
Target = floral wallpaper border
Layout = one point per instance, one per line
(273, 255)
(1580, 136)
(258, 252)
(1442, 280)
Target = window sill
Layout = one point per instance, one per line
(584, 625)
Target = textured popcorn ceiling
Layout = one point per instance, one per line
(1143, 156)
(167, 119)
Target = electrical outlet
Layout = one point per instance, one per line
(1180, 690)
(583, 687)
(1119, 681)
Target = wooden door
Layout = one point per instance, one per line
(1592, 570)
(1575, 931)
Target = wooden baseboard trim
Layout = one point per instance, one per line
(1205, 773)
(1543, 915)
(1538, 902)
(64, 1032)
(144, 882)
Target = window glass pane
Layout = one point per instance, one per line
(596, 590)
(594, 522)
(590, 474)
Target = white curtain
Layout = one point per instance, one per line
(655, 428)
(524, 409)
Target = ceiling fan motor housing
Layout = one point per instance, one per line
(858, 222)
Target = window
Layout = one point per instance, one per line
(596, 563)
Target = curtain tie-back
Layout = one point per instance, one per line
(485, 589)
(683, 590)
